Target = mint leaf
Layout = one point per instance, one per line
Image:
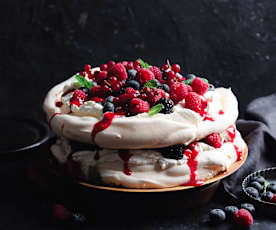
(94, 175)
(266, 183)
(83, 82)
(151, 84)
(156, 109)
(188, 81)
(143, 64)
(204, 79)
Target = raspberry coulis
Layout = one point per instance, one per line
(125, 156)
(221, 112)
(97, 155)
(231, 131)
(191, 153)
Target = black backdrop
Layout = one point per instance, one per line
(232, 43)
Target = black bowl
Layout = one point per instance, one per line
(264, 207)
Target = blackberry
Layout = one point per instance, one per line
(168, 104)
(108, 107)
(257, 186)
(267, 196)
(173, 152)
(252, 191)
(271, 187)
(249, 207)
(231, 210)
(217, 216)
(131, 74)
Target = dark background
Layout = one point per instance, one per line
(232, 43)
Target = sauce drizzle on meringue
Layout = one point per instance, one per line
(125, 156)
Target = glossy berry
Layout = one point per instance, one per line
(214, 140)
(267, 196)
(108, 107)
(273, 199)
(168, 104)
(211, 87)
(100, 76)
(79, 95)
(173, 152)
(200, 86)
(179, 91)
(190, 76)
(144, 75)
(271, 187)
(194, 102)
(137, 106)
(257, 186)
(217, 216)
(131, 74)
(87, 68)
(165, 67)
(157, 73)
(110, 64)
(118, 70)
(134, 84)
(109, 99)
(60, 213)
(243, 218)
(231, 210)
(252, 191)
(165, 87)
(259, 179)
(176, 68)
(249, 207)
(136, 64)
(103, 67)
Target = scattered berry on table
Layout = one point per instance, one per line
(217, 216)
(248, 207)
(231, 210)
(173, 152)
(168, 105)
(257, 186)
(78, 218)
(214, 140)
(243, 218)
(252, 191)
(271, 187)
(267, 196)
(259, 179)
(200, 86)
(60, 213)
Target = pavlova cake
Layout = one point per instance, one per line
(134, 125)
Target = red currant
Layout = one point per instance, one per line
(87, 68)
(110, 64)
(103, 67)
(176, 68)
(101, 76)
(165, 67)
(130, 65)
(136, 64)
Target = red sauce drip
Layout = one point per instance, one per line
(239, 153)
(97, 155)
(125, 156)
(59, 103)
(231, 131)
(221, 112)
(207, 117)
(191, 153)
(102, 125)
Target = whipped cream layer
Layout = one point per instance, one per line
(149, 169)
(183, 126)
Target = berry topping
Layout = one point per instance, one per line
(257, 186)
(249, 207)
(243, 218)
(190, 76)
(118, 70)
(252, 191)
(168, 105)
(200, 86)
(231, 210)
(157, 73)
(97, 99)
(137, 105)
(165, 87)
(271, 187)
(108, 107)
(144, 75)
(173, 152)
(79, 95)
(217, 216)
(194, 102)
(131, 74)
(176, 68)
(109, 99)
(134, 84)
(179, 91)
(214, 140)
(259, 179)
(267, 196)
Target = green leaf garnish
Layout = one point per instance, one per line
(143, 64)
(151, 84)
(205, 80)
(188, 81)
(83, 82)
(266, 183)
(156, 109)
(94, 175)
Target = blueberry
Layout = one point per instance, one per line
(257, 186)
(109, 99)
(259, 179)
(108, 107)
(190, 76)
(131, 74)
(84, 89)
(134, 84)
(211, 87)
(249, 207)
(165, 87)
(267, 196)
(231, 210)
(271, 187)
(252, 191)
(217, 216)
(78, 218)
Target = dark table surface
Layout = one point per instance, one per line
(42, 42)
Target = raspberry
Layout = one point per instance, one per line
(179, 91)
(125, 98)
(168, 104)
(103, 67)
(79, 95)
(100, 76)
(157, 73)
(273, 199)
(131, 92)
(144, 75)
(155, 95)
(214, 140)
(243, 218)
(118, 70)
(176, 68)
(138, 106)
(193, 101)
(60, 213)
(200, 86)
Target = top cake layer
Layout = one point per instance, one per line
(136, 128)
